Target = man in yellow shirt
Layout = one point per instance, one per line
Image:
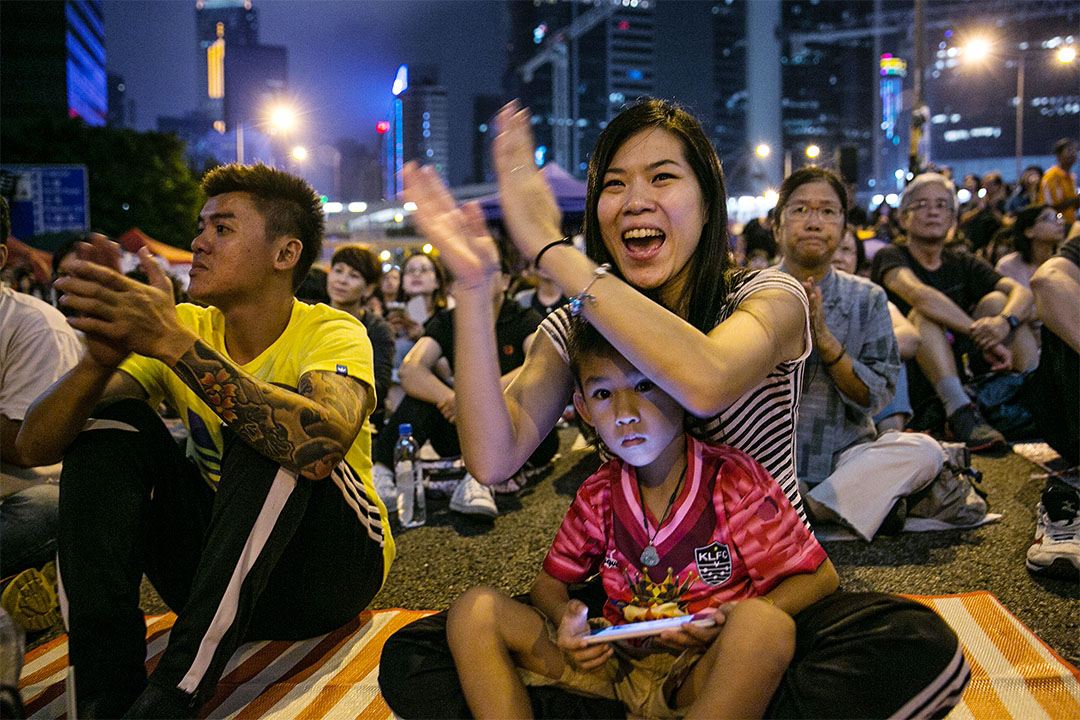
(1058, 186)
(267, 525)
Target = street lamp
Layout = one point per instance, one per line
(978, 49)
(283, 117)
(812, 151)
(280, 118)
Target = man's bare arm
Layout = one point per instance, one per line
(929, 301)
(60, 413)
(307, 431)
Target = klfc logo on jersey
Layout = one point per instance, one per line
(713, 563)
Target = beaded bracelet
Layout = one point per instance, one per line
(578, 300)
(554, 243)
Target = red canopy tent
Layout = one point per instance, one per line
(39, 261)
(135, 238)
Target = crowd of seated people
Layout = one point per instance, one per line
(908, 327)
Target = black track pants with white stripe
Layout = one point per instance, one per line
(857, 655)
(267, 556)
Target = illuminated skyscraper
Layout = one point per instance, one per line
(238, 74)
(426, 129)
(53, 58)
(417, 126)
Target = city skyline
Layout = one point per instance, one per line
(343, 57)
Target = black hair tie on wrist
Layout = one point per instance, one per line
(553, 243)
(838, 358)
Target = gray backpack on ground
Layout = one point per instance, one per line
(953, 497)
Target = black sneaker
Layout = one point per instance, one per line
(968, 426)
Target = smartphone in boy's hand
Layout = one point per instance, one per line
(648, 627)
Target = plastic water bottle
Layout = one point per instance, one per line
(410, 480)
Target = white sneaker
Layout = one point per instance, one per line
(1056, 549)
(472, 498)
(383, 479)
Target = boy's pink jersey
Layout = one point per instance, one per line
(731, 534)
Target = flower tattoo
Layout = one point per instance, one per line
(220, 393)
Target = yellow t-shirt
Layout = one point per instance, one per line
(316, 338)
(1057, 185)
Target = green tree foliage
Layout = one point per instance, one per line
(142, 171)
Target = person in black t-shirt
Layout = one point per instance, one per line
(430, 404)
(966, 313)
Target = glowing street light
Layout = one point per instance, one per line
(283, 117)
(299, 152)
(977, 49)
(812, 151)
(980, 48)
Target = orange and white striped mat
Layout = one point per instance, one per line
(1013, 673)
(332, 676)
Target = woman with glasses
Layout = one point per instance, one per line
(421, 292)
(658, 282)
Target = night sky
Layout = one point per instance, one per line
(343, 55)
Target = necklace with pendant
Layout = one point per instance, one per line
(649, 556)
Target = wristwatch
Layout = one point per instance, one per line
(1013, 322)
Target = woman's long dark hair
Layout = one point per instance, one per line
(711, 266)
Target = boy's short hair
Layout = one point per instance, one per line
(362, 260)
(585, 341)
(287, 203)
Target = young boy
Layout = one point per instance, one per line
(674, 527)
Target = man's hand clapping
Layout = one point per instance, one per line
(120, 315)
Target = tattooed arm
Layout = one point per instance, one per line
(308, 431)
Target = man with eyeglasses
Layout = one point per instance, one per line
(969, 317)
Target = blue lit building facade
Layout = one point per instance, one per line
(53, 58)
(417, 126)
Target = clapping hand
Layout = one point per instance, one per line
(817, 310)
(458, 232)
(530, 212)
(120, 315)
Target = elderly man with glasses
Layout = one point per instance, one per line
(970, 318)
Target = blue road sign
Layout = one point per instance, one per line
(46, 198)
